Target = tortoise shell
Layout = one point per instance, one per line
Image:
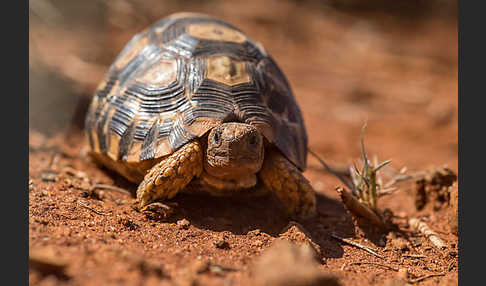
(182, 76)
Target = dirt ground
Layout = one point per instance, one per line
(394, 68)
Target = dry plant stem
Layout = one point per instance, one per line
(357, 208)
(350, 242)
(371, 263)
(91, 209)
(111, 188)
(423, 228)
(387, 191)
(402, 178)
(425, 277)
(414, 255)
(340, 174)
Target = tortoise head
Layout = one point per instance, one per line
(234, 150)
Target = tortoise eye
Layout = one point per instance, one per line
(216, 138)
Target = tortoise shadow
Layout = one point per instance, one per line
(239, 215)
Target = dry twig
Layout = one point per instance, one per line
(414, 255)
(350, 242)
(91, 209)
(358, 208)
(401, 178)
(371, 263)
(425, 277)
(424, 229)
(340, 174)
(387, 191)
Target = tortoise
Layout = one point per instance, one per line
(192, 103)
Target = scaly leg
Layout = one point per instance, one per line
(171, 175)
(289, 185)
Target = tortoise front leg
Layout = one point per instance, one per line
(171, 174)
(289, 185)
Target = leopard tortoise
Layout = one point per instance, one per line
(193, 101)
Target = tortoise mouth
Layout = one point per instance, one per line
(237, 160)
(229, 184)
(232, 168)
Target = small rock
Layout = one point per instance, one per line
(31, 185)
(205, 266)
(183, 223)
(216, 270)
(288, 264)
(49, 176)
(296, 233)
(221, 243)
(254, 232)
(94, 194)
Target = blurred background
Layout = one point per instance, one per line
(391, 63)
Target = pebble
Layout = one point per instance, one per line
(221, 243)
(183, 223)
(287, 263)
(49, 177)
(254, 232)
(296, 233)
